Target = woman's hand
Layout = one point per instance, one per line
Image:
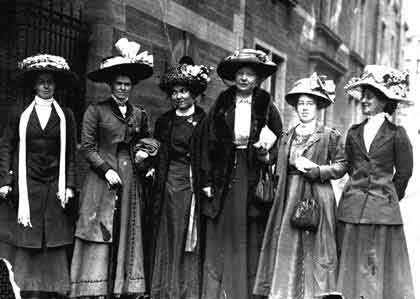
(140, 156)
(4, 191)
(113, 178)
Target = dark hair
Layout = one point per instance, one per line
(193, 91)
(390, 105)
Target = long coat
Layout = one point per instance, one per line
(103, 129)
(163, 130)
(373, 191)
(218, 153)
(325, 148)
(50, 222)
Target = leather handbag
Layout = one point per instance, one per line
(306, 212)
(265, 189)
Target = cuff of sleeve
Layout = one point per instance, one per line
(103, 168)
(323, 172)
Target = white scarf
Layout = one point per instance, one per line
(24, 216)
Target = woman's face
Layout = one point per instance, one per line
(181, 97)
(246, 79)
(306, 108)
(121, 87)
(45, 86)
(371, 103)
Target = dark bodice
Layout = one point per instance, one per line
(182, 131)
(43, 148)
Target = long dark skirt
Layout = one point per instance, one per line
(233, 242)
(175, 272)
(374, 262)
(39, 272)
(89, 269)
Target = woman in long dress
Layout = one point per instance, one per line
(373, 252)
(37, 170)
(176, 267)
(238, 139)
(108, 255)
(294, 262)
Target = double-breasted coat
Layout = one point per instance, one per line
(51, 224)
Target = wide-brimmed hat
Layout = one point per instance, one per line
(323, 90)
(30, 67)
(128, 62)
(389, 81)
(256, 59)
(186, 73)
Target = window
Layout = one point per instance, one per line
(275, 84)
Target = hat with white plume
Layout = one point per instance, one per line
(128, 62)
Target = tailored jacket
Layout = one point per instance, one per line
(372, 193)
(51, 224)
(163, 133)
(326, 148)
(218, 149)
(104, 128)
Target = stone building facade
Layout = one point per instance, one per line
(332, 37)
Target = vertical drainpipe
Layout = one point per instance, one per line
(376, 29)
(239, 25)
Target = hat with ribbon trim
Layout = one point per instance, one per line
(30, 67)
(256, 59)
(128, 62)
(315, 85)
(389, 81)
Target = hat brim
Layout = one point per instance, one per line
(322, 101)
(227, 69)
(353, 91)
(64, 78)
(139, 71)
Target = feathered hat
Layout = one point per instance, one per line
(318, 86)
(136, 66)
(186, 73)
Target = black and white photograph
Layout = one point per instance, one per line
(225, 149)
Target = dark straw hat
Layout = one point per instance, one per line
(256, 59)
(136, 66)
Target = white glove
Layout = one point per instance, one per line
(69, 194)
(113, 178)
(4, 191)
(140, 156)
(302, 164)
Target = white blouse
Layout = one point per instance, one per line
(372, 127)
(43, 109)
(242, 121)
